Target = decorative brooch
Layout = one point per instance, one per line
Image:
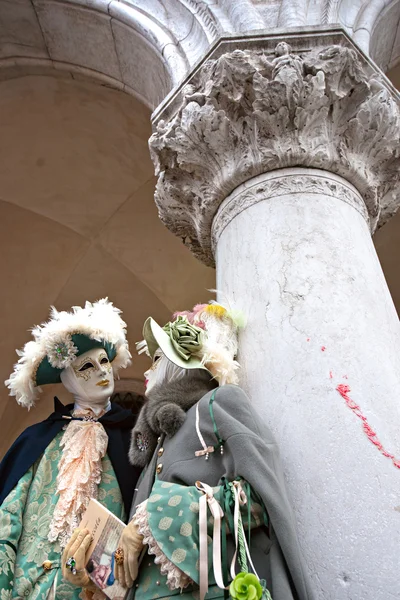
(142, 442)
(61, 352)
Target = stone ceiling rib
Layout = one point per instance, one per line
(41, 215)
(40, 27)
(44, 216)
(122, 205)
(135, 284)
(85, 250)
(87, 246)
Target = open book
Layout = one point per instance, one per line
(106, 529)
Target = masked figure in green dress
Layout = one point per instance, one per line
(79, 452)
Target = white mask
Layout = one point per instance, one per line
(150, 376)
(90, 379)
(162, 372)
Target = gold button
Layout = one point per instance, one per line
(47, 565)
(159, 468)
(160, 452)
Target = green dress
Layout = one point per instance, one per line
(25, 518)
(170, 521)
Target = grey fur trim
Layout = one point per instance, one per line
(165, 412)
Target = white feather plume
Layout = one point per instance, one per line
(220, 343)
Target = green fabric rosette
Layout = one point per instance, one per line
(187, 339)
(246, 586)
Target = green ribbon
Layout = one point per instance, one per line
(215, 428)
(247, 491)
(186, 339)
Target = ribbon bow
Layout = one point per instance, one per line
(208, 500)
(242, 552)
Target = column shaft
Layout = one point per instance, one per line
(293, 248)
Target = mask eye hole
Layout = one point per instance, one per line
(86, 366)
(104, 360)
(156, 357)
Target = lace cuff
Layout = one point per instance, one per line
(176, 578)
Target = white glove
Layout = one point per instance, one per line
(76, 549)
(131, 543)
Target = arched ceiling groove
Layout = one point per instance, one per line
(96, 248)
(85, 246)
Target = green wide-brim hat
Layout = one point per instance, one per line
(156, 337)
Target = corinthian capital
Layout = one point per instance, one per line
(251, 111)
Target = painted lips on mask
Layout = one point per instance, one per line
(103, 383)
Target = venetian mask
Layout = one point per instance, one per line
(94, 376)
(162, 372)
(151, 375)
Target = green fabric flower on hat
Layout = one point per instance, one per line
(187, 339)
(246, 586)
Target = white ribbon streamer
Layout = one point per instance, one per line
(208, 500)
(206, 449)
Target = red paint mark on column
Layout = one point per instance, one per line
(323, 348)
(308, 339)
(344, 391)
(330, 375)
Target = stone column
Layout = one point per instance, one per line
(278, 165)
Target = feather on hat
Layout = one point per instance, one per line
(60, 340)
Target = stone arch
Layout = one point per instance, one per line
(114, 43)
(376, 29)
(118, 42)
(373, 24)
(384, 43)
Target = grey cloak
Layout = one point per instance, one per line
(251, 452)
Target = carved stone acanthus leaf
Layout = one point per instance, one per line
(244, 114)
